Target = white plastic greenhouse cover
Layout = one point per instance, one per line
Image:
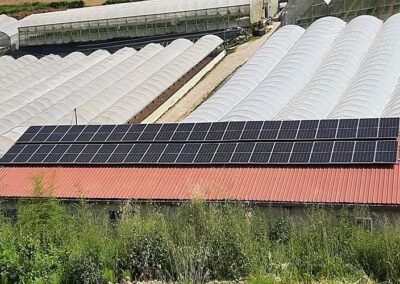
(291, 74)
(50, 108)
(66, 105)
(112, 94)
(370, 89)
(24, 105)
(356, 75)
(29, 108)
(47, 90)
(8, 25)
(392, 108)
(335, 72)
(137, 99)
(133, 9)
(9, 67)
(248, 77)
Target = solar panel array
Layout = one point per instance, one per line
(348, 141)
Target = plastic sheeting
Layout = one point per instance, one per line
(47, 90)
(51, 106)
(24, 99)
(141, 8)
(10, 66)
(370, 89)
(29, 108)
(335, 72)
(141, 96)
(392, 108)
(66, 105)
(247, 77)
(352, 72)
(291, 74)
(109, 96)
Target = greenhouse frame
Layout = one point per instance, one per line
(8, 34)
(137, 19)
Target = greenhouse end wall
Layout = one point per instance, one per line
(152, 25)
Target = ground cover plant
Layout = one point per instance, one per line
(192, 243)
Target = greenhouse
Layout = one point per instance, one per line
(137, 19)
(305, 12)
(333, 70)
(8, 34)
(93, 88)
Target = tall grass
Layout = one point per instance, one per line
(192, 243)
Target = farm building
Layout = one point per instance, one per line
(8, 34)
(312, 118)
(137, 19)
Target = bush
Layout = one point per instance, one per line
(195, 242)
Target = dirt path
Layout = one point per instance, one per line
(225, 68)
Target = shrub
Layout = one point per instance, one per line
(195, 242)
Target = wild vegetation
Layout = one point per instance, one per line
(24, 9)
(192, 243)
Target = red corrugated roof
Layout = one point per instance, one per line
(366, 185)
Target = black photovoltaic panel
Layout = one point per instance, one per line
(306, 152)
(330, 129)
(253, 142)
(388, 127)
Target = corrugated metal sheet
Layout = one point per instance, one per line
(364, 185)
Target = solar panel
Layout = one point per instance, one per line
(331, 129)
(342, 152)
(368, 128)
(388, 127)
(322, 152)
(301, 152)
(347, 128)
(307, 129)
(332, 141)
(327, 129)
(317, 152)
(386, 152)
